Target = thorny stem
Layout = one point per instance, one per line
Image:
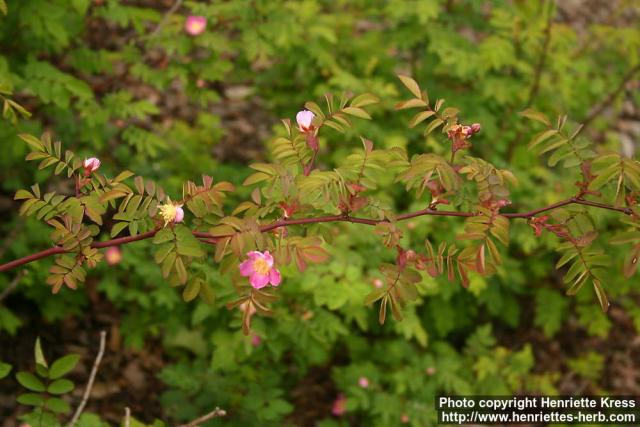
(208, 238)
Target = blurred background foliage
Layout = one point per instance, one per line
(123, 81)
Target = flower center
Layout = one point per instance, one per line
(261, 267)
(168, 212)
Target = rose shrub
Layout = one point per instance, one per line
(454, 228)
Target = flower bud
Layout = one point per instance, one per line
(179, 215)
(113, 255)
(195, 25)
(304, 119)
(475, 128)
(363, 382)
(90, 165)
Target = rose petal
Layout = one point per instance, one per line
(268, 257)
(274, 277)
(258, 280)
(246, 268)
(253, 255)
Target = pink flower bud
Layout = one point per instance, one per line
(91, 165)
(363, 382)
(339, 406)
(113, 255)
(304, 119)
(377, 283)
(475, 128)
(430, 370)
(404, 419)
(256, 340)
(179, 215)
(195, 25)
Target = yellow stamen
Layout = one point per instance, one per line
(261, 267)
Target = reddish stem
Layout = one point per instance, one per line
(208, 238)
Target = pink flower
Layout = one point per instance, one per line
(90, 165)
(378, 283)
(256, 340)
(304, 119)
(339, 405)
(363, 382)
(404, 419)
(260, 270)
(179, 214)
(430, 370)
(195, 25)
(113, 255)
(171, 213)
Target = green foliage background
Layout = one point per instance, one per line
(122, 81)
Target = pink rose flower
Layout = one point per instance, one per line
(339, 405)
(304, 119)
(90, 165)
(260, 270)
(171, 213)
(363, 382)
(195, 25)
(113, 255)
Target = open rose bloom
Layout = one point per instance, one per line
(171, 213)
(260, 270)
(195, 25)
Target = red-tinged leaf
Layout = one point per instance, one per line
(382, 315)
(464, 277)
(314, 254)
(368, 145)
(410, 84)
(480, 260)
(300, 263)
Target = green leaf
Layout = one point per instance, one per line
(60, 386)
(31, 399)
(602, 296)
(191, 290)
(5, 368)
(58, 406)
(357, 112)
(33, 142)
(535, 115)
(30, 381)
(22, 194)
(3, 7)
(411, 85)
(63, 365)
(39, 355)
